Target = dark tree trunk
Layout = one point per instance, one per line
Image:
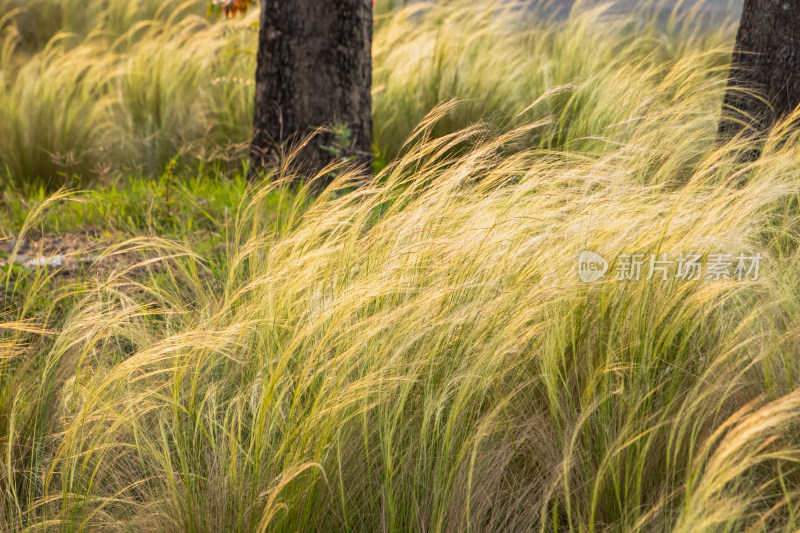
(314, 70)
(766, 60)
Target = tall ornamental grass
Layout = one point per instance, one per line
(121, 87)
(419, 353)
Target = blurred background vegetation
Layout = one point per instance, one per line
(91, 91)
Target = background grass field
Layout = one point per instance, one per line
(416, 353)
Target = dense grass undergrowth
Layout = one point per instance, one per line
(418, 352)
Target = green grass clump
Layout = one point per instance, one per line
(175, 203)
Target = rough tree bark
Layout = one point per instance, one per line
(766, 59)
(314, 69)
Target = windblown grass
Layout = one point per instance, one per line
(120, 87)
(418, 353)
(499, 57)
